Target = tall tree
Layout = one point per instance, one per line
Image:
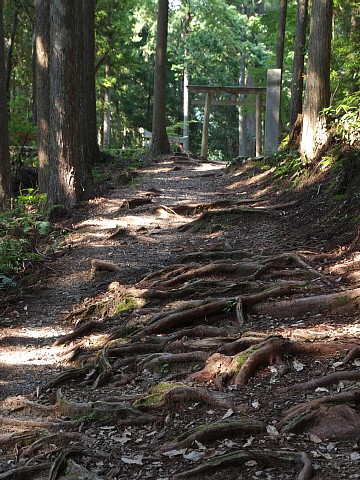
(70, 178)
(317, 92)
(5, 184)
(280, 40)
(297, 83)
(42, 48)
(160, 142)
(88, 92)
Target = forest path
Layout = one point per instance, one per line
(192, 255)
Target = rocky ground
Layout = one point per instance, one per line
(197, 322)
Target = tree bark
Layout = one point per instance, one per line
(10, 50)
(42, 48)
(317, 92)
(160, 143)
(107, 111)
(70, 179)
(5, 177)
(89, 107)
(280, 41)
(297, 83)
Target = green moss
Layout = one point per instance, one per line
(243, 356)
(155, 395)
(126, 304)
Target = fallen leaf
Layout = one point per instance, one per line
(248, 442)
(356, 362)
(355, 456)
(298, 366)
(200, 445)
(251, 463)
(121, 440)
(272, 430)
(255, 404)
(337, 364)
(174, 453)
(314, 438)
(321, 390)
(194, 456)
(228, 414)
(137, 460)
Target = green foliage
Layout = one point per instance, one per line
(345, 119)
(287, 165)
(20, 229)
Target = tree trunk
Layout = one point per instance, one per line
(160, 143)
(10, 49)
(89, 104)
(107, 111)
(5, 177)
(42, 48)
(317, 92)
(298, 64)
(280, 41)
(70, 176)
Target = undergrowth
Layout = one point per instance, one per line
(24, 236)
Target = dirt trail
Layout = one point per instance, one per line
(174, 336)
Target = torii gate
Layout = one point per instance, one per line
(272, 110)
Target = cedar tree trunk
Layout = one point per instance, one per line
(160, 143)
(317, 92)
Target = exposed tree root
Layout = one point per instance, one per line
(74, 471)
(136, 348)
(105, 369)
(297, 417)
(242, 270)
(239, 345)
(17, 438)
(269, 458)
(351, 355)
(67, 376)
(331, 379)
(59, 464)
(184, 318)
(26, 472)
(332, 303)
(95, 411)
(280, 262)
(102, 266)
(59, 439)
(156, 362)
(51, 425)
(215, 431)
(239, 368)
(175, 395)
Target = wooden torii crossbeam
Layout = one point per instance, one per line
(272, 92)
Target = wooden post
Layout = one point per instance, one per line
(258, 125)
(272, 111)
(205, 132)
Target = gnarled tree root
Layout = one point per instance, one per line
(26, 472)
(331, 379)
(215, 431)
(269, 458)
(155, 361)
(244, 365)
(351, 355)
(300, 415)
(175, 395)
(332, 303)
